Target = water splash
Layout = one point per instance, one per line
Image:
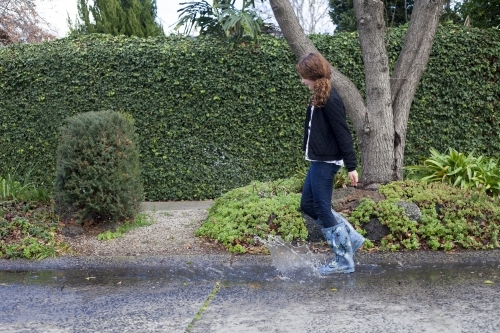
(295, 262)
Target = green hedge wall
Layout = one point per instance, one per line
(213, 115)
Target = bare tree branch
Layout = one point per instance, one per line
(312, 15)
(20, 22)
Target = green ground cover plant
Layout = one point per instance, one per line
(259, 209)
(452, 218)
(29, 230)
(28, 225)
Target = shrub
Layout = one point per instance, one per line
(97, 170)
(234, 112)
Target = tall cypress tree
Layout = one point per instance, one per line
(117, 17)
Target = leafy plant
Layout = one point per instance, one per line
(221, 19)
(259, 209)
(457, 169)
(29, 230)
(12, 189)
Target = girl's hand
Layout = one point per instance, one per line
(353, 176)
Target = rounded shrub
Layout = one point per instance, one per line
(97, 170)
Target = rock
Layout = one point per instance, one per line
(72, 231)
(375, 230)
(341, 193)
(411, 210)
(314, 230)
(372, 187)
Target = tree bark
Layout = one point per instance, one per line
(376, 147)
(381, 124)
(409, 69)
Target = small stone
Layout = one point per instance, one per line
(411, 210)
(373, 187)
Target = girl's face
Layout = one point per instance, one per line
(308, 83)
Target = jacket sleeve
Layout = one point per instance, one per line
(335, 112)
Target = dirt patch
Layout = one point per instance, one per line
(345, 200)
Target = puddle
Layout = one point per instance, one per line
(287, 264)
(294, 262)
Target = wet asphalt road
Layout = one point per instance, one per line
(387, 293)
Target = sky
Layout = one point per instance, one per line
(55, 12)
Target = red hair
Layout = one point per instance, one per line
(316, 68)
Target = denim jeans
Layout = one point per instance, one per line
(316, 198)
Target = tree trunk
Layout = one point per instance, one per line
(381, 124)
(409, 69)
(377, 141)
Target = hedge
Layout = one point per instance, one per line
(214, 115)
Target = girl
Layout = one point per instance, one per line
(328, 146)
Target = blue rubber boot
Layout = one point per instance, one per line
(357, 240)
(338, 239)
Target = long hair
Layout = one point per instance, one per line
(316, 68)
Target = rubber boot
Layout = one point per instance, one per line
(357, 239)
(338, 239)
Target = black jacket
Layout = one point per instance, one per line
(330, 136)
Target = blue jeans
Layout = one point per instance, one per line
(316, 198)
